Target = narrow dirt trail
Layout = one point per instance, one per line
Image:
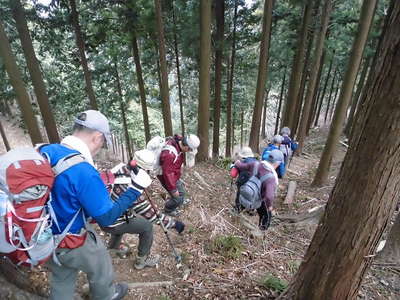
(208, 272)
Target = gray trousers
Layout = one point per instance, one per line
(174, 202)
(136, 225)
(93, 259)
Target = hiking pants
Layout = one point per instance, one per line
(93, 259)
(174, 202)
(135, 225)
(265, 217)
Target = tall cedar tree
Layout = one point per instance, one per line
(262, 76)
(204, 84)
(229, 90)
(123, 108)
(166, 110)
(297, 67)
(17, 83)
(178, 71)
(356, 95)
(319, 47)
(142, 91)
(367, 189)
(278, 111)
(81, 47)
(367, 14)
(34, 71)
(219, 46)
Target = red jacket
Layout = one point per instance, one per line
(171, 165)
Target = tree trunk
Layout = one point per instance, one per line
(178, 72)
(19, 87)
(229, 89)
(204, 84)
(316, 94)
(219, 36)
(319, 47)
(166, 110)
(4, 137)
(241, 128)
(142, 91)
(304, 78)
(34, 71)
(264, 114)
(123, 112)
(254, 142)
(367, 14)
(278, 111)
(334, 102)
(81, 46)
(295, 76)
(356, 96)
(366, 192)
(330, 94)
(321, 101)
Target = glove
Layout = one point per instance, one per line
(140, 180)
(179, 226)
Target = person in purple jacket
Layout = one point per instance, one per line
(268, 186)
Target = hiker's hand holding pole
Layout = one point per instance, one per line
(140, 178)
(175, 194)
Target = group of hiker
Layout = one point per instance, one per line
(117, 201)
(257, 180)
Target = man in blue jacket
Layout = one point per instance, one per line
(275, 145)
(79, 195)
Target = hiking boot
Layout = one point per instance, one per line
(121, 289)
(122, 252)
(146, 261)
(186, 201)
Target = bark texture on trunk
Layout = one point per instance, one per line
(34, 71)
(204, 84)
(366, 191)
(19, 87)
(220, 20)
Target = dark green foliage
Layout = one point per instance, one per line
(229, 246)
(274, 283)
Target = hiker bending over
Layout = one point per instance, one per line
(275, 145)
(80, 191)
(171, 159)
(139, 218)
(265, 172)
(245, 155)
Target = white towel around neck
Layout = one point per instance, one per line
(78, 145)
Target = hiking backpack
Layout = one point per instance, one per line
(26, 214)
(250, 191)
(158, 144)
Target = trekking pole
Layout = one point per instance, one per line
(178, 258)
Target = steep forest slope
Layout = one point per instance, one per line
(223, 257)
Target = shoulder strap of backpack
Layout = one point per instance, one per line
(67, 162)
(256, 167)
(266, 176)
(171, 149)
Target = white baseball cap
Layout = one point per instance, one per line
(93, 119)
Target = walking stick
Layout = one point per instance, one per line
(178, 258)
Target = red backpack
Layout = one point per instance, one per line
(26, 214)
